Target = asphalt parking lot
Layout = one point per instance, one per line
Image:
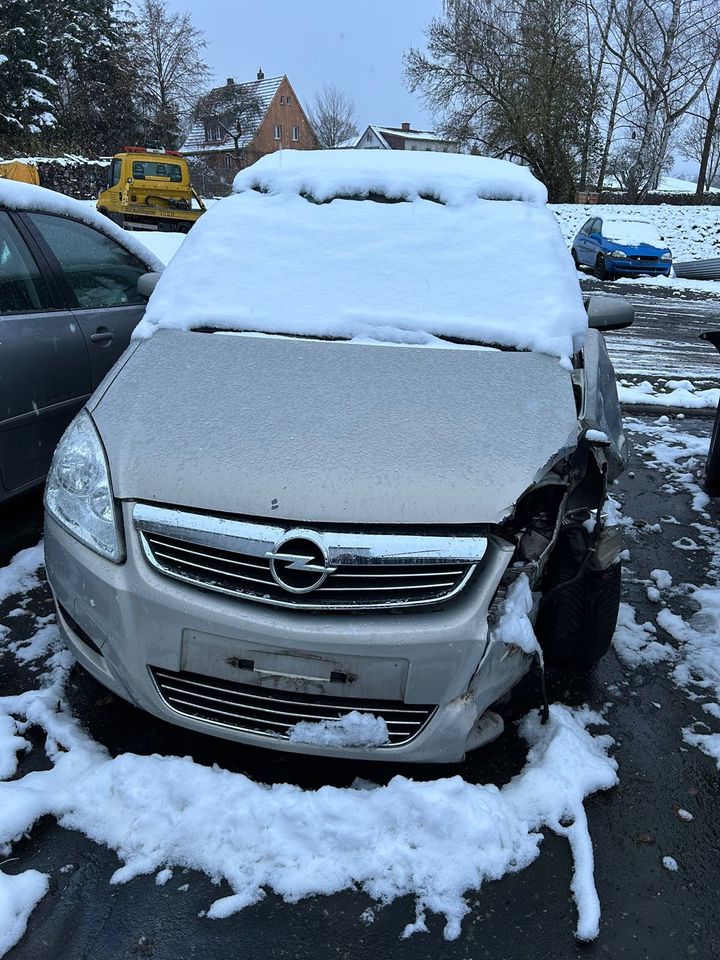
(647, 911)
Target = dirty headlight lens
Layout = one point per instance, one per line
(666, 256)
(78, 492)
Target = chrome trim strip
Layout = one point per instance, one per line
(254, 696)
(256, 539)
(273, 736)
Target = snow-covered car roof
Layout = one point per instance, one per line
(26, 196)
(473, 253)
(632, 232)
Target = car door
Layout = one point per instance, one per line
(595, 245)
(44, 366)
(579, 242)
(100, 277)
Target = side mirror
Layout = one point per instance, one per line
(147, 283)
(609, 313)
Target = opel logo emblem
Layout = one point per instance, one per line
(299, 562)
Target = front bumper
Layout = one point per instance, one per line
(137, 618)
(634, 268)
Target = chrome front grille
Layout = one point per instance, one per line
(271, 712)
(337, 571)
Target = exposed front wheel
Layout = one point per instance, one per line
(600, 268)
(576, 625)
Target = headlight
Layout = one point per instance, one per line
(666, 256)
(620, 254)
(78, 492)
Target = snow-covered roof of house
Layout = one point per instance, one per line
(382, 133)
(412, 134)
(26, 196)
(306, 245)
(264, 90)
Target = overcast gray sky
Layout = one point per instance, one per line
(356, 45)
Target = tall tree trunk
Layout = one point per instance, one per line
(613, 113)
(702, 180)
(639, 182)
(594, 92)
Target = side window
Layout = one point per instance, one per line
(100, 271)
(22, 288)
(586, 227)
(114, 177)
(597, 226)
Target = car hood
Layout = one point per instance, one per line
(636, 249)
(332, 432)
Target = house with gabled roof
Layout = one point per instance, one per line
(217, 148)
(403, 138)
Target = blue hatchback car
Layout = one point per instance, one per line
(613, 247)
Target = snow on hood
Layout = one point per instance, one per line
(276, 258)
(26, 196)
(633, 232)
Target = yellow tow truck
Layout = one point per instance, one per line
(150, 190)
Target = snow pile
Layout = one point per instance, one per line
(632, 232)
(513, 626)
(26, 196)
(435, 841)
(680, 394)
(448, 178)
(635, 643)
(19, 895)
(403, 272)
(21, 575)
(355, 729)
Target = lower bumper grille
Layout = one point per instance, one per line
(272, 712)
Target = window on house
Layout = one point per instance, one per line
(212, 131)
(282, 100)
(296, 133)
(229, 162)
(277, 133)
(288, 99)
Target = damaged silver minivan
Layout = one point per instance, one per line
(354, 462)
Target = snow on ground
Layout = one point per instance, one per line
(695, 660)
(436, 841)
(673, 394)
(691, 232)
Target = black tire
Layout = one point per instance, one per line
(576, 625)
(712, 464)
(575, 259)
(600, 269)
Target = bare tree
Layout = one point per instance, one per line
(507, 78)
(235, 110)
(170, 68)
(671, 51)
(702, 136)
(598, 20)
(332, 117)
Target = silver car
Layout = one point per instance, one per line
(295, 512)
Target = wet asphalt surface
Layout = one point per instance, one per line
(647, 911)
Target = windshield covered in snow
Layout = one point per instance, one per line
(632, 232)
(467, 251)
